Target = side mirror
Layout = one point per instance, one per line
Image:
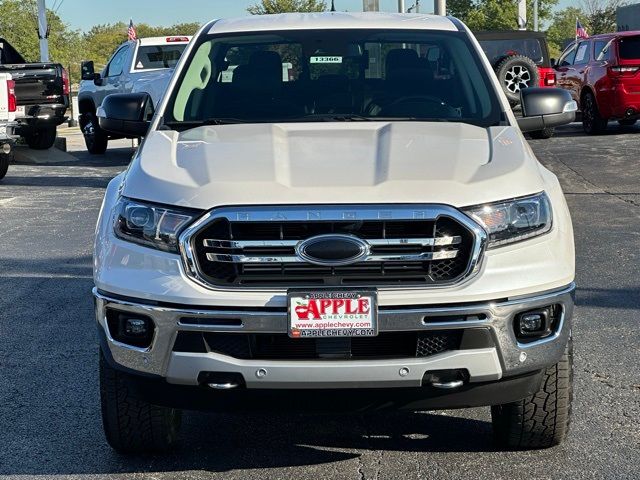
(126, 114)
(554, 63)
(545, 108)
(88, 71)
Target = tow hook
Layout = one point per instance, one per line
(446, 379)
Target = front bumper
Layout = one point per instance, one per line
(505, 357)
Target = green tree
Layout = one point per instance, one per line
(497, 14)
(265, 7)
(460, 8)
(493, 15)
(563, 29)
(600, 15)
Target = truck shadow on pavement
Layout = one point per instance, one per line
(221, 443)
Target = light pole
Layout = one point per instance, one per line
(43, 31)
(400, 6)
(439, 7)
(535, 15)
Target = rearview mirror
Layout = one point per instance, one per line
(88, 71)
(545, 108)
(126, 114)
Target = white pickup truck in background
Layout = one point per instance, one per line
(8, 107)
(144, 65)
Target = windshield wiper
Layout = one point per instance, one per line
(335, 117)
(187, 124)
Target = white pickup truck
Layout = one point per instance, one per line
(8, 107)
(370, 231)
(143, 65)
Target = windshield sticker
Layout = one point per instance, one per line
(326, 59)
(139, 65)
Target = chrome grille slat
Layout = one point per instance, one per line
(387, 242)
(421, 257)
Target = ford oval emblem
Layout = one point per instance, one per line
(333, 250)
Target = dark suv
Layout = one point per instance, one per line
(520, 59)
(603, 75)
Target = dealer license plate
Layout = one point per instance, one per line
(325, 314)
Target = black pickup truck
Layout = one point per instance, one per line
(42, 92)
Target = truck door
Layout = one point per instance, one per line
(564, 68)
(576, 77)
(113, 78)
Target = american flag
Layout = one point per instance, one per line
(132, 31)
(581, 32)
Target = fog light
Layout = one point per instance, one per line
(130, 328)
(535, 323)
(531, 322)
(136, 327)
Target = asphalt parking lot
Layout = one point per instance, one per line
(49, 406)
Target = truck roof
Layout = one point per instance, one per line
(164, 40)
(332, 20)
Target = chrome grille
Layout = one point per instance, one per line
(411, 245)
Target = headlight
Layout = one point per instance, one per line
(514, 220)
(151, 225)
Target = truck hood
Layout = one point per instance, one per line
(333, 163)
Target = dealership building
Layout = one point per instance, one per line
(628, 17)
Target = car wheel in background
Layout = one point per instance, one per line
(131, 424)
(516, 72)
(592, 122)
(4, 163)
(542, 134)
(95, 138)
(542, 420)
(42, 138)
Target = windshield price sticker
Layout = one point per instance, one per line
(332, 314)
(326, 59)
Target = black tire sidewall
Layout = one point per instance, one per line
(542, 134)
(97, 143)
(4, 164)
(42, 139)
(590, 110)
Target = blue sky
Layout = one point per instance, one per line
(83, 14)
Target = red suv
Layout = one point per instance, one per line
(603, 75)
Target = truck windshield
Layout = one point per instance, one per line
(333, 75)
(151, 57)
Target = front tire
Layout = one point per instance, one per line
(95, 138)
(542, 134)
(131, 424)
(592, 121)
(42, 138)
(540, 421)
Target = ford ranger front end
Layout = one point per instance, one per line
(371, 226)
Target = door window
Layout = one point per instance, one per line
(601, 50)
(582, 54)
(567, 57)
(116, 65)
